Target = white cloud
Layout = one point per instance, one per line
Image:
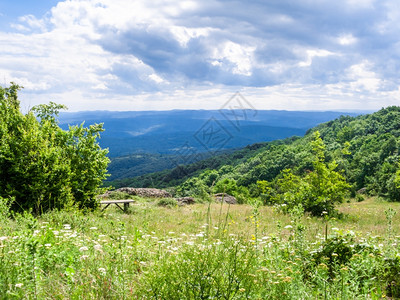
(238, 57)
(189, 54)
(156, 78)
(310, 54)
(347, 39)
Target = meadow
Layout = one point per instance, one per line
(202, 251)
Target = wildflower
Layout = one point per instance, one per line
(19, 285)
(287, 279)
(253, 237)
(2, 238)
(288, 227)
(323, 266)
(97, 247)
(93, 228)
(47, 245)
(84, 248)
(83, 257)
(102, 270)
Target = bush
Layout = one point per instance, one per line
(360, 198)
(5, 205)
(391, 276)
(42, 166)
(167, 202)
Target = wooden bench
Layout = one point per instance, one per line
(117, 202)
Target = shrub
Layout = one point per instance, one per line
(42, 166)
(360, 198)
(167, 202)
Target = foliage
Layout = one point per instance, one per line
(167, 202)
(116, 195)
(362, 151)
(195, 187)
(180, 173)
(5, 205)
(42, 166)
(241, 252)
(226, 185)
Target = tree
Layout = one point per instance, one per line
(319, 190)
(42, 166)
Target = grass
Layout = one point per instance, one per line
(202, 252)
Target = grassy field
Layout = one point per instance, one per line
(202, 252)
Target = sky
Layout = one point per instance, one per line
(162, 55)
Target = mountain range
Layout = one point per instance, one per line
(141, 142)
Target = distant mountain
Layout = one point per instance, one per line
(365, 148)
(186, 133)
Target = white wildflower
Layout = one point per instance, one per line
(93, 228)
(19, 285)
(97, 247)
(84, 248)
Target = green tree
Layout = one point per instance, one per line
(42, 166)
(319, 190)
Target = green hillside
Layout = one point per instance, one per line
(365, 149)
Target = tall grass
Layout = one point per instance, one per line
(213, 251)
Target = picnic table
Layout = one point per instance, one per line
(125, 202)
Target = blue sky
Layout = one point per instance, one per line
(160, 55)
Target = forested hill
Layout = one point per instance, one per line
(365, 148)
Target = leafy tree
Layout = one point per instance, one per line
(226, 185)
(318, 191)
(42, 166)
(194, 187)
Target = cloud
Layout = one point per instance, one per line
(167, 51)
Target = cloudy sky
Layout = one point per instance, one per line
(160, 55)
